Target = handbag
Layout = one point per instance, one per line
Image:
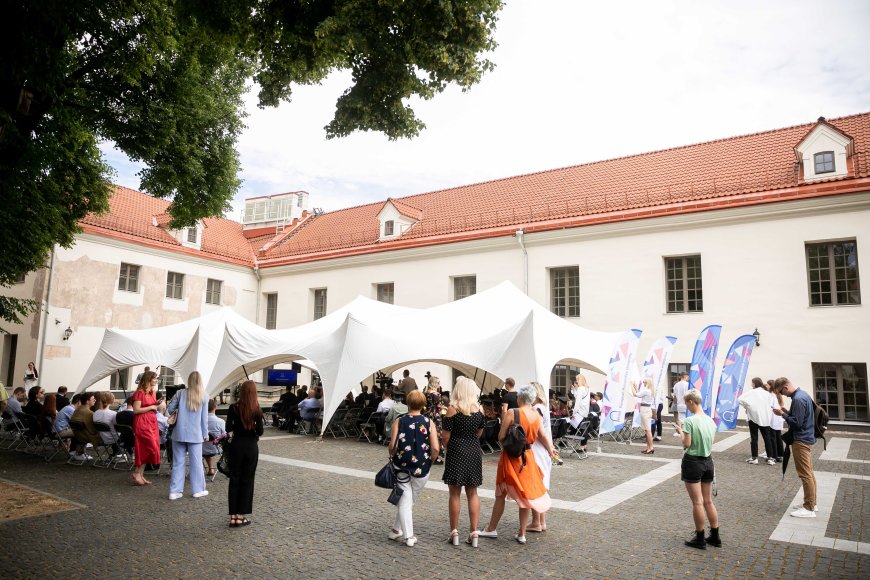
(396, 493)
(223, 464)
(386, 477)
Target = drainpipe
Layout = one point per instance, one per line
(257, 313)
(44, 326)
(519, 234)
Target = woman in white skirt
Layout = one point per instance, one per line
(542, 456)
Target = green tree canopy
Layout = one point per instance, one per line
(164, 80)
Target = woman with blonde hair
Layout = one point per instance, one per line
(245, 423)
(646, 396)
(463, 425)
(191, 430)
(543, 458)
(435, 411)
(520, 478)
(147, 436)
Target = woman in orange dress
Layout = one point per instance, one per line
(523, 484)
(147, 441)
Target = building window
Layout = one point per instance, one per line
(119, 380)
(385, 293)
(824, 162)
(319, 303)
(271, 310)
(388, 228)
(464, 286)
(562, 377)
(841, 390)
(832, 269)
(174, 285)
(213, 291)
(299, 200)
(565, 291)
(191, 235)
(128, 281)
(684, 284)
(166, 377)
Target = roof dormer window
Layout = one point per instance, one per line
(824, 162)
(397, 217)
(388, 228)
(191, 235)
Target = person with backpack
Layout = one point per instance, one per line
(801, 436)
(518, 475)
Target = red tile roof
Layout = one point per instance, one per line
(745, 170)
(132, 215)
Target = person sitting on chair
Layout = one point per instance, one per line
(216, 428)
(309, 408)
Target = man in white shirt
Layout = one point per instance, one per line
(680, 390)
(387, 403)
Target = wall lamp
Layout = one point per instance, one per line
(67, 333)
(757, 336)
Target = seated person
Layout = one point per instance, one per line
(386, 403)
(35, 396)
(217, 427)
(107, 416)
(61, 422)
(394, 413)
(125, 417)
(310, 407)
(84, 415)
(162, 423)
(48, 415)
(13, 405)
(362, 398)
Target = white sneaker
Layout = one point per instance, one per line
(675, 434)
(798, 506)
(762, 455)
(411, 541)
(520, 539)
(657, 438)
(202, 493)
(771, 461)
(803, 513)
(394, 535)
(752, 461)
(484, 534)
(174, 496)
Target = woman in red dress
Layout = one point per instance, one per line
(147, 442)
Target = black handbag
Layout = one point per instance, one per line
(223, 464)
(386, 477)
(396, 493)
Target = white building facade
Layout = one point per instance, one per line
(780, 249)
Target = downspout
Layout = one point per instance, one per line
(257, 274)
(519, 234)
(44, 325)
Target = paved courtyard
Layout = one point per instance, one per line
(617, 514)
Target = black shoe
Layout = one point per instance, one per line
(716, 542)
(697, 541)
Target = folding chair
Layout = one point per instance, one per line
(218, 451)
(558, 430)
(30, 436)
(114, 459)
(371, 426)
(54, 444)
(349, 425)
(489, 437)
(127, 443)
(79, 443)
(334, 426)
(104, 453)
(574, 443)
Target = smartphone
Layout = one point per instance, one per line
(674, 425)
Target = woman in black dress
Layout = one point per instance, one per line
(462, 427)
(433, 411)
(245, 422)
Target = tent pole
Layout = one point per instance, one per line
(246, 373)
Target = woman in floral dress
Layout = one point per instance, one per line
(435, 411)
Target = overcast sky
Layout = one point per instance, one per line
(575, 81)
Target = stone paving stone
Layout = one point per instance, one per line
(316, 524)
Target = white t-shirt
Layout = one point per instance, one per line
(385, 405)
(106, 416)
(645, 395)
(680, 390)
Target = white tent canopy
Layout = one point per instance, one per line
(184, 347)
(492, 335)
(500, 331)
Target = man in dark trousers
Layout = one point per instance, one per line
(801, 422)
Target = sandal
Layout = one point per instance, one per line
(211, 472)
(454, 538)
(471, 540)
(244, 522)
(234, 523)
(536, 529)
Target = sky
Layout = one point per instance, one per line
(575, 81)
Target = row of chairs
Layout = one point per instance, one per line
(24, 435)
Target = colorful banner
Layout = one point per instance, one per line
(655, 367)
(703, 364)
(612, 407)
(731, 382)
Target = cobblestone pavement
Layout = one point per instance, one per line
(318, 514)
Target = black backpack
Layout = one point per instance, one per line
(514, 443)
(820, 422)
